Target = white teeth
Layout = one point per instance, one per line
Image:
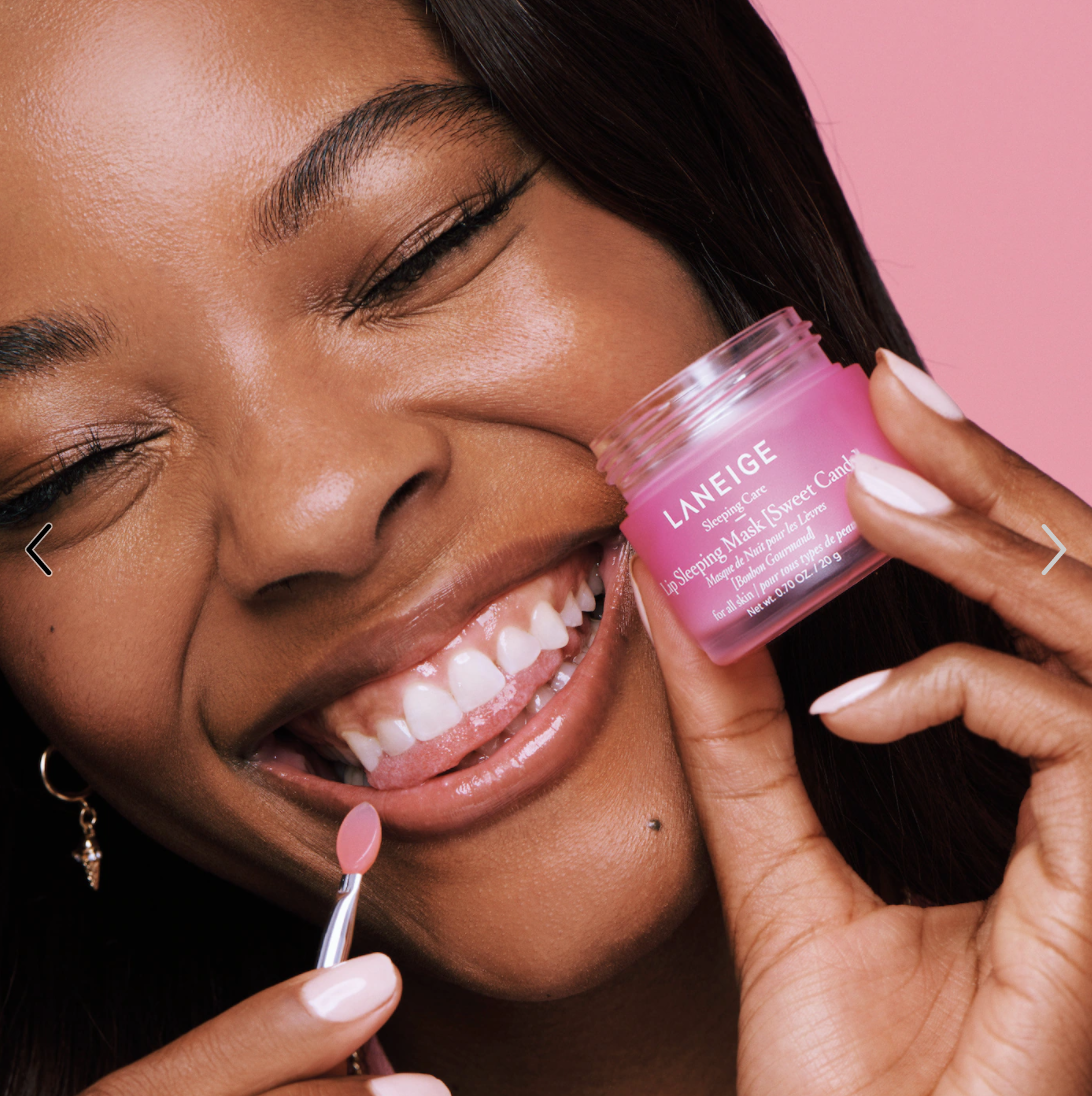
(548, 627)
(542, 697)
(366, 748)
(473, 679)
(561, 678)
(429, 710)
(585, 599)
(394, 736)
(516, 649)
(570, 612)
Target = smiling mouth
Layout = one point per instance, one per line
(458, 707)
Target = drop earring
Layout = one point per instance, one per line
(89, 856)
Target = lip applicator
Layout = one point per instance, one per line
(358, 840)
(357, 847)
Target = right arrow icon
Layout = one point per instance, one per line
(1061, 549)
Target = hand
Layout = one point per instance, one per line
(841, 993)
(281, 1040)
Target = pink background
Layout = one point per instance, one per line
(962, 133)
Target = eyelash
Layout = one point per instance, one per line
(93, 456)
(416, 265)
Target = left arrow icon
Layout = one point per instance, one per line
(34, 544)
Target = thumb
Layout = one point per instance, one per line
(776, 870)
(293, 1031)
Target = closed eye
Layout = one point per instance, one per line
(476, 215)
(86, 460)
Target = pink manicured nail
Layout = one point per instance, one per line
(849, 693)
(899, 487)
(637, 600)
(351, 989)
(921, 386)
(408, 1084)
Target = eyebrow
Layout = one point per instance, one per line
(311, 180)
(30, 345)
(316, 175)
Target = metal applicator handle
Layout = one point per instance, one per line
(339, 930)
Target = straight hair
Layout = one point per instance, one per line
(685, 119)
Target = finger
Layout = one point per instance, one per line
(983, 559)
(296, 1030)
(1035, 714)
(1013, 702)
(969, 465)
(398, 1084)
(1036, 950)
(779, 876)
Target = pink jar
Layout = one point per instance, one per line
(734, 478)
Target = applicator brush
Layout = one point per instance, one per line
(357, 847)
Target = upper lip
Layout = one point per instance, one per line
(414, 631)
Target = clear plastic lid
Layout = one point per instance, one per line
(719, 388)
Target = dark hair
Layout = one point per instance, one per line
(686, 119)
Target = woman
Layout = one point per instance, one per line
(309, 313)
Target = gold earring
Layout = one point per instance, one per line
(90, 855)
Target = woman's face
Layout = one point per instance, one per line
(328, 472)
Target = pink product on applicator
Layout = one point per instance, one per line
(357, 847)
(734, 475)
(358, 840)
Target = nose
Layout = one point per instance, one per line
(306, 498)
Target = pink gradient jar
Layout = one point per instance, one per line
(734, 478)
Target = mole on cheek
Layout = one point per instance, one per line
(654, 824)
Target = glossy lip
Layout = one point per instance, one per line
(319, 727)
(409, 633)
(536, 755)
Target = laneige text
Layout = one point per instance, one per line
(747, 465)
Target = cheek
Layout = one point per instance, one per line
(636, 317)
(581, 317)
(94, 652)
(598, 328)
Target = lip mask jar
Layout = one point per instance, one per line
(734, 478)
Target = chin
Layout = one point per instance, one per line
(562, 917)
(549, 961)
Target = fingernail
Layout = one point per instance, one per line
(351, 989)
(921, 386)
(637, 600)
(849, 693)
(899, 487)
(408, 1084)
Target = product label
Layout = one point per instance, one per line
(761, 512)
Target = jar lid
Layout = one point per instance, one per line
(709, 391)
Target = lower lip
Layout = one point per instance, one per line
(547, 747)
